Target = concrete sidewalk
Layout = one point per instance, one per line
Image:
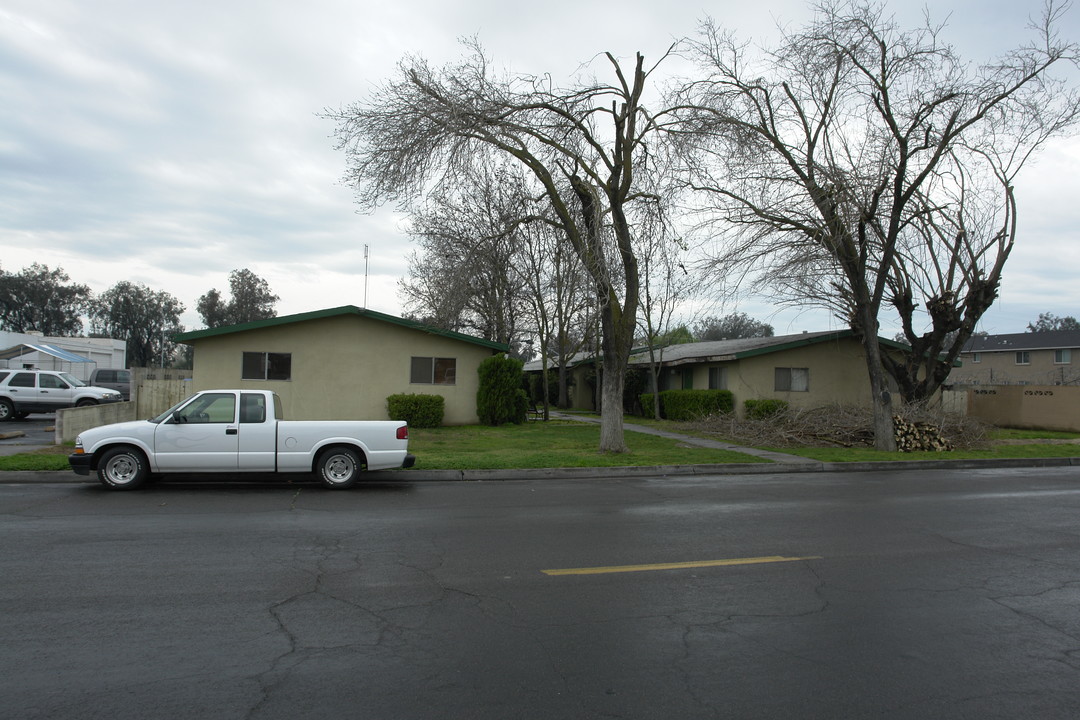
(771, 456)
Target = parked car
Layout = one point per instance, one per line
(45, 391)
(114, 379)
(230, 431)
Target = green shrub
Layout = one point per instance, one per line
(420, 411)
(689, 404)
(501, 398)
(764, 408)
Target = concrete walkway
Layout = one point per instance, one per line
(776, 457)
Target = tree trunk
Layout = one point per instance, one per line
(612, 438)
(564, 391)
(880, 398)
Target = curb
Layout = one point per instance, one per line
(16, 477)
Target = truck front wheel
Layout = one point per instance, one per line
(122, 468)
(339, 468)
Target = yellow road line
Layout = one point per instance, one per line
(677, 565)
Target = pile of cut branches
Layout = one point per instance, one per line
(918, 428)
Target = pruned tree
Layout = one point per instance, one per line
(1049, 322)
(845, 160)
(251, 299)
(732, 326)
(583, 145)
(145, 318)
(37, 298)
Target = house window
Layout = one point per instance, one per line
(1023, 357)
(687, 379)
(717, 378)
(976, 357)
(267, 366)
(433, 371)
(1063, 357)
(792, 379)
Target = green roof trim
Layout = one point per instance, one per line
(337, 312)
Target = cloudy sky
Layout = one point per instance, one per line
(169, 143)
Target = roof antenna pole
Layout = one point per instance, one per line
(365, 274)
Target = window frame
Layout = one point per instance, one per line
(784, 379)
(1063, 356)
(1023, 357)
(266, 366)
(432, 368)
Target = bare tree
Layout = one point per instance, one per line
(426, 126)
(837, 158)
(464, 276)
(666, 284)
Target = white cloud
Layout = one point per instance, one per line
(170, 143)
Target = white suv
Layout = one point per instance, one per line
(44, 391)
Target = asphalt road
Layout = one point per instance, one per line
(30, 433)
(908, 594)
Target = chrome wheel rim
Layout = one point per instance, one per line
(340, 468)
(122, 470)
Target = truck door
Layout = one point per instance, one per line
(258, 435)
(201, 436)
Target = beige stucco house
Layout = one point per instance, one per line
(1031, 358)
(806, 370)
(342, 363)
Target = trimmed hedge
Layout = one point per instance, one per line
(689, 404)
(420, 411)
(764, 408)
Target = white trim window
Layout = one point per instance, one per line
(1063, 357)
(1023, 357)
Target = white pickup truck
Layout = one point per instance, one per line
(222, 431)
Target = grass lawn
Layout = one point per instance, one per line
(49, 458)
(573, 444)
(548, 445)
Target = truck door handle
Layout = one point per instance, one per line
(230, 431)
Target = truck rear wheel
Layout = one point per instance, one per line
(339, 468)
(122, 468)
(7, 410)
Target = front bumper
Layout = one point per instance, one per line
(80, 463)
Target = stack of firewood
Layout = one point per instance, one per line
(919, 436)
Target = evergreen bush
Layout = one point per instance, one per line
(501, 397)
(689, 404)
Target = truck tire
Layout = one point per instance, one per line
(7, 410)
(339, 468)
(122, 468)
(86, 402)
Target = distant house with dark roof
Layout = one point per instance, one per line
(806, 370)
(342, 363)
(1042, 358)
